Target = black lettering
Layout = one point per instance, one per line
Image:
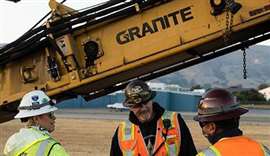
(174, 16)
(146, 28)
(155, 27)
(167, 23)
(186, 14)
(155, 21)
(122, 37)
(163, 23)
(135, 31)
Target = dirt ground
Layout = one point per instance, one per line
(91, 137)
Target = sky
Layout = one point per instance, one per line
(17, 18)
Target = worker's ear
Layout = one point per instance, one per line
(210, 128)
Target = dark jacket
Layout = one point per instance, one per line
(187, 146)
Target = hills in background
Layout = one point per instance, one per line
(226, 71)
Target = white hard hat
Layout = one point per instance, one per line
(35, 103)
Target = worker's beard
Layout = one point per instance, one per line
(144, 115)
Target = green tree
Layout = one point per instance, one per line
(249, 96)
(197, 86)
(207, 86)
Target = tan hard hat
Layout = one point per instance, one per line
(218, 104)
(137, 92)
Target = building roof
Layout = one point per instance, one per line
(170, 88)
(265, 92)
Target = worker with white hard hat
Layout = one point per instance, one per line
(36, 109)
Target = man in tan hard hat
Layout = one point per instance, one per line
(36, 110)
(218, 116)
(150, 130)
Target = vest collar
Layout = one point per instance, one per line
(23, 138)
(225, 134)
(41, 130)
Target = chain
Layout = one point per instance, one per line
(226, 35)
(244, 63)
(229, 22)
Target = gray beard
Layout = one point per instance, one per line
(145, 117)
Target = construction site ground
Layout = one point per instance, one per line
(88, 132)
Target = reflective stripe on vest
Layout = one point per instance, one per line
(172, 143)
(128, 131)
(131, 141)
(40, 147)
(27, 146)
(128, 134)
(211, 151)
(227, 146)
(128, 139)
(266, 150)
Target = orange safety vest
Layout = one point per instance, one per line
(236, 146)
(131, 141)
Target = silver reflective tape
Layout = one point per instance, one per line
(42, 147)
(128, 131)
(209, 152)
(172, 150)
(266, 151)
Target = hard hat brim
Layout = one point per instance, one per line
(128, 103)
(30, 113)
(222, 116)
